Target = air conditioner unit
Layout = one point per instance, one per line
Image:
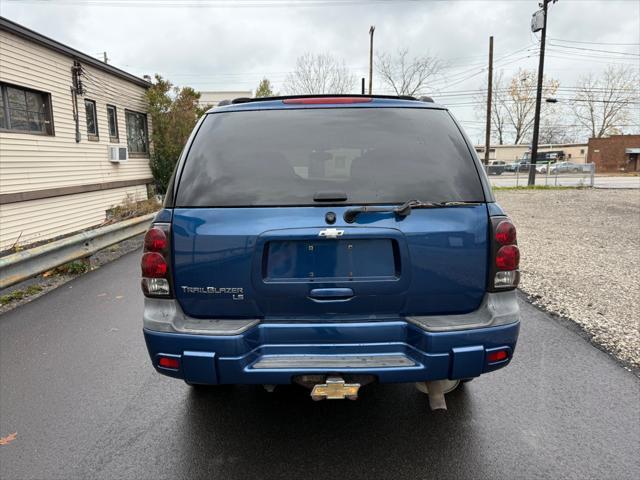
(118, 154)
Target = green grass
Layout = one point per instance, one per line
(73, 268)
(20, 294)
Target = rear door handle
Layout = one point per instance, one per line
(331, 294)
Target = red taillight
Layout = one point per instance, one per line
(506, 233)
(156, 278)
(497, 356)
(153, 265)
(325, 100)
(169, 362)
(508, 258)
(504, 273)
(155, 240)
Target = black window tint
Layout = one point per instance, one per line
(3, 113)
(25, 110)
(92, 120)
(284, 157)
(137, 136)
(18, 109)
(113, 121)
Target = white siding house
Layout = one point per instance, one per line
(60, 111)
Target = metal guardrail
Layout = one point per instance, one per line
(23, 265)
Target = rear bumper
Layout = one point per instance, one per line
(273, 353)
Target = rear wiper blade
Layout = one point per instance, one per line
(401, 210)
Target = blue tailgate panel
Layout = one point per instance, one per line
(433, 261)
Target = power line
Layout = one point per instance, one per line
(592, 60)
(605, 58)
(100, 85)
(217, 3)
(616, 52)
(595, 43)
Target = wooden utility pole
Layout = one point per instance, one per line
(371, 30)
(536, 118)
(487, 134)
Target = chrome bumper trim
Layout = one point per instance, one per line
(165, 315)
(331, 362)
(500, 308)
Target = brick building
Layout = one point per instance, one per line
(618, 153)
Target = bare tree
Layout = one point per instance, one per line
(603, 105)
(513, 105)
(519, 101)
(318, 74)
(552, 131)
(405, 75)
(498, 113)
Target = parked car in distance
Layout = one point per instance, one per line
(543, 160)
(517, 166)
(331, 242)
(543, 167)
(496, 167)
(569, 167)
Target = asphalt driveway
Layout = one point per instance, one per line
(77, 387)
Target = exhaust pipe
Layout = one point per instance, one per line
(436, 390)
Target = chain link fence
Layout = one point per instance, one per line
(560, 174)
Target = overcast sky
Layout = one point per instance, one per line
(224, 45)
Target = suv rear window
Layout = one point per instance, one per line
(285, 157)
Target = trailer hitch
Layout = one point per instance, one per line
(335, 388)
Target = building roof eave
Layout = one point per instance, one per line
(24, 32)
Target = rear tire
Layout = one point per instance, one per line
(199, 387)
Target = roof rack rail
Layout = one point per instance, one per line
(426, 99)
(286, 97)
(222, 103)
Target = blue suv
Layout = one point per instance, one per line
(330, 241)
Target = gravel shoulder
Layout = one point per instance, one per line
(581, 260)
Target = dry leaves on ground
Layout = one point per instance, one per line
(8, 439)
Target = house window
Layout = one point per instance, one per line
(112, 116)
(582, 151)
(92, 119)
(137, 134)
(24, 110)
